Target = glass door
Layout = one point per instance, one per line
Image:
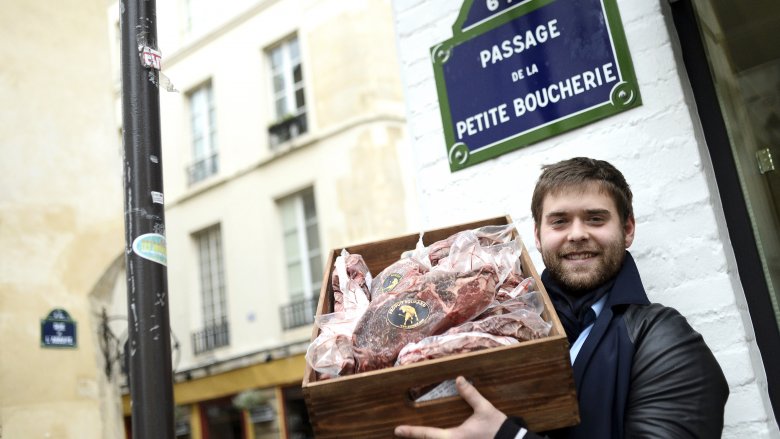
(743, 51)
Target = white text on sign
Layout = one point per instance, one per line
(519, 43)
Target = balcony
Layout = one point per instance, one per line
(202, 168)
(211, 337)
(286, 129)
(299, 313)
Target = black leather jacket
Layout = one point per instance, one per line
(677, 387)
(643, 372)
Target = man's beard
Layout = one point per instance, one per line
(609, 261)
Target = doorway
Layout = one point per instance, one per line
(732, 56)
(221, 420)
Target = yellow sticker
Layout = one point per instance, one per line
(408, 313)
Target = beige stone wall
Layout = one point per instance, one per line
(60, 214)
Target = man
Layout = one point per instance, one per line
(640, 370)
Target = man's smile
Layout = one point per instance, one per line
(579, 256)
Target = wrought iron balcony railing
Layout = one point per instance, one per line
(298, 313)
(211, 337)
(202, 168)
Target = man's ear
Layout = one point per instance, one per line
(628, 230)
(536, 238)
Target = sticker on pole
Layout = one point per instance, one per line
(150, 58)
(151, 246)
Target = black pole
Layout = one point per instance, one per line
(149, 346)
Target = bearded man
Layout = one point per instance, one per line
(640, 370)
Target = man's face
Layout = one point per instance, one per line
(581, 238)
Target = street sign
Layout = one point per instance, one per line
(517, 72)
(58, 330)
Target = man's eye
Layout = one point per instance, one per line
(596, 219)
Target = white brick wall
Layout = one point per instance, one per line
(681, 247)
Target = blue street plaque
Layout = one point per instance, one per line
(58, 330)
(517, 72)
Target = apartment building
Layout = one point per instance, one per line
(282, 141)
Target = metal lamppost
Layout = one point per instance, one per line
(151, 380)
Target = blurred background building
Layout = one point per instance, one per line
(281, 141)
(61, 223)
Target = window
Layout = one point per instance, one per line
(212, 292)
(204, 135)
(196, 16)
(288, 92)
(302, 256)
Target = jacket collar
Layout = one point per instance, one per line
(628, 288)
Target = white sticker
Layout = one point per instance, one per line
(157, 197)
(150, 57)
(443, 390)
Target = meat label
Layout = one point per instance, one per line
(391, 281)
(408, 313)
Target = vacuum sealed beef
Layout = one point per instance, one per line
(351, 283)
(330, 354)
(397, 276)
(439, 346)
(436, 302)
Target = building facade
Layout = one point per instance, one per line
(60, 220)
(282, 124)
(697, 153)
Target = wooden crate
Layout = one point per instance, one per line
(532, 379)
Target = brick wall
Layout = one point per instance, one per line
(682, 245)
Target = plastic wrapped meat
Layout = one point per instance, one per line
(435, 303)
(532, 301)
(510, 290)
(522, 324)
(448, 344)
(331, 353)
(397, 276)
(488, 235)
(351, 282)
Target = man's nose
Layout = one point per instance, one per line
(578, 231)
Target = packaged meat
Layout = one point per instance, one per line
(397, 276)
(487, 236)
(521, 324)
(331, 353)
(523, 286)
(438, 346)
(532, 301)
(351, 283)
(435, 302)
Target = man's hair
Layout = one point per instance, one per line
(576, 173)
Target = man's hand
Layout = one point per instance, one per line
(484, 423)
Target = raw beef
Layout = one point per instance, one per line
(521, 324)
(512, 288)
(436, 302)
(488, 235)
(448, 344)
(532, 301)
(330, 354)
(351, 282)
(398, 276)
